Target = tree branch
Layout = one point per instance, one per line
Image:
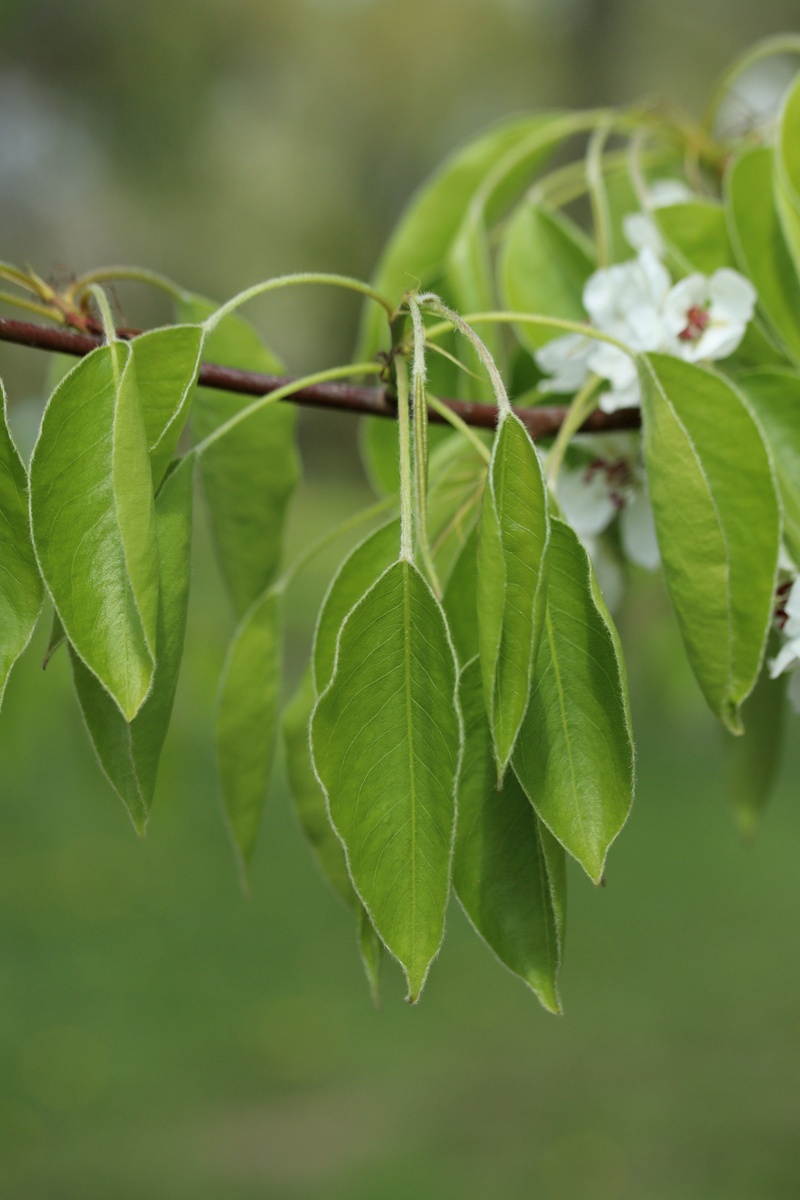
(541, 421)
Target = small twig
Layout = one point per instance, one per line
(541, 421)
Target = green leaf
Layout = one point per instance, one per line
(93, 522)
(754, 759)
(500, 870)
(787, 172)
(512, 546)
(574, 754)
(419, 246)
(460, 601)
(129, 752)
(357, 573)
(386, 741)
(718, 523)
(20, 582)
(249, 475)
(308, 799)
(166, 363)
(458, 475)
(774, 396)
(247, 718)
(697, 234)
(760, 245)
(544, 264)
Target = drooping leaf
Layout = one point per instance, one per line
(308, 799)
(501, 871)
(386, 738)
(357, 573)
(460, 601)
(760, 244)
(787, 173)
(774, 396)
(247, 719)
(56, 640)
(166, 362)
(544, 264)
(250, 474)
(20, 582)
(717, 520)
(93, 522)
(512, 548)
(753, 760)
(129, 752)
(574, 754)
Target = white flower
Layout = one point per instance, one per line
(707, 318)
(613, 483)
(641, 231)
(788, 657)
(625, 300)
(567, 360)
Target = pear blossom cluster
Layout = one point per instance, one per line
(787, 617)
(700, 318)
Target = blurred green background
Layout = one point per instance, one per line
(160, 1036)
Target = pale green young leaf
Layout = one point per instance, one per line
(512, 550)
(718, 523)
(500, 869)
(129, 753)
(308, 800)
(460, 601)
(358, 572)
(574, 754)
(93, 522)
(754, 759)
(249, 475)
(20, 582)
(166, 363)
(544, 263)
(774, 396)
(760, 245)
(247, 718)
(787, 172)
(386, 742)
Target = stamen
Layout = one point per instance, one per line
(697, 322)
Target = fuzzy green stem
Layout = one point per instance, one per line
(124, 274)
(109, 329)
(41, 310)
(419, 414)
(432, 302)
(598, 197)
(283, 281)
(281, 393)
(406, 482)
(584, 403)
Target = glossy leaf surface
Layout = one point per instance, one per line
(93, 522)
(774, 396)
(20, 582)
(760, 245)
(308, 799)
(718, 523)
(166, 362)
(249, 475)
(574, 754)
(386, 744)
(129, 752)
(247, 718)
(501, 871)
(513, 538)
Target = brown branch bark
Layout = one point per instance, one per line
(542, 421)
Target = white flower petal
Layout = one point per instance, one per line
(641, 233)
(617, 398)
(601, 292)
(718, 341)
(585, 501)
(665, 192)
(655, 277)
(792, 605)
(638, 532)
(608, 571)
(566, 359)
(612, 364)
(691, 292)
(785, 561)
(793, 691)
(787, 656)
(733, 298)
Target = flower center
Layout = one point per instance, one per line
(619, 477)
(697, 320)
(782, 594)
